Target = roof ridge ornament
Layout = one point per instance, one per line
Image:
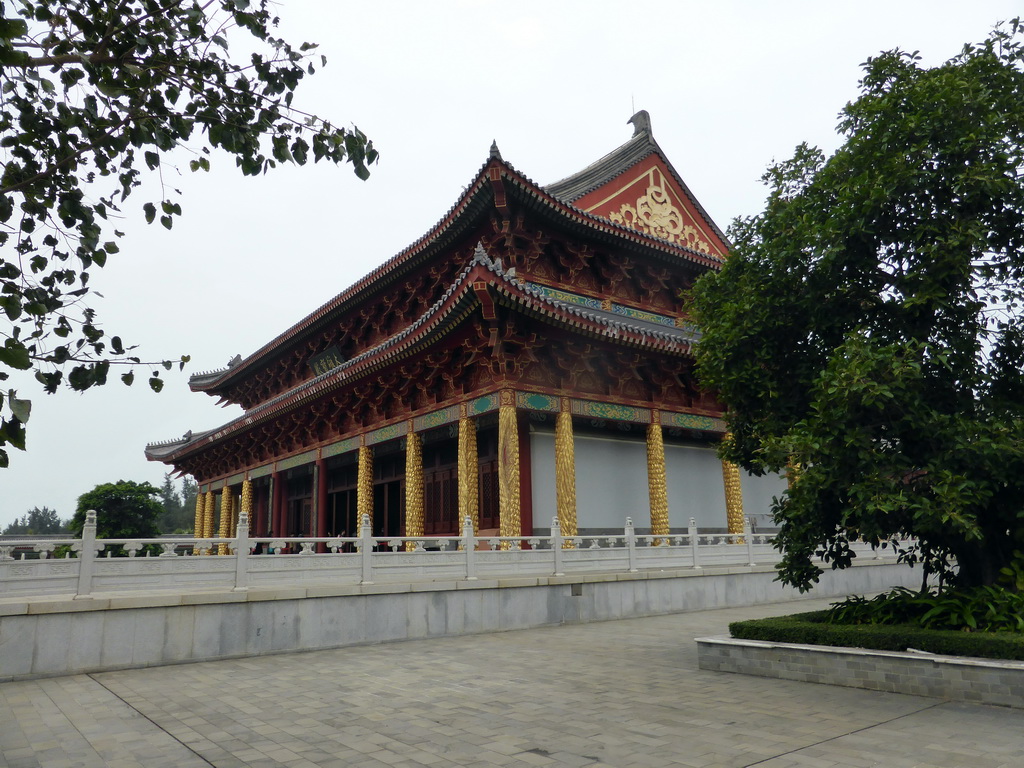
(641, 123)
(495, 152)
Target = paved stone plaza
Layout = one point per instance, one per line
(622, 693)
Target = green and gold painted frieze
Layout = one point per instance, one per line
(391, 432)
(639, 314)
(569, 298)
(533, 401)
(436, 419)
(612, 411)
(692, 421)
(261, 471)
(483, 405)
(608, 306)
(340, 447)
(296, 461)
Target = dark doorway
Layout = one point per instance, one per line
(389, 494)
(299, 512)
(341, 502)
(441, 488)
(388, 502)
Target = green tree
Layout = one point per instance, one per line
(124, 510)
(866, 329)
(94, 94)
(178, 512)
(189, 491)
(37, 521)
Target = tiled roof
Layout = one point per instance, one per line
(457, 302)
(618, 161)
(477, 198)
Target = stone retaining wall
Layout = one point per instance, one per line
(58, 636)
(979, 681)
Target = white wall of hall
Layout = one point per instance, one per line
(611, 483)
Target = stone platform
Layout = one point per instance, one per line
(63, 635)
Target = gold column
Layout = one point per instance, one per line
(413, 487)
(792, 473)
(565, 474)
(508, 471)
(364, 486)
(234, 516)
(733, 497)
(656, 477)
(246, 505)
(197, 526)
(226, 503)
(469, 473)
(209, 508)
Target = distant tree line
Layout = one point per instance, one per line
(124, 509)
(37, 522)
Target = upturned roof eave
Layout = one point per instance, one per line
(476, 200)
(456, 304)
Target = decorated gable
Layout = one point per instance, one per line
(648, 199)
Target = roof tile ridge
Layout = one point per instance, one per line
(638, 140)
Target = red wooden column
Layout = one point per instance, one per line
(321, 502)
(277, 505)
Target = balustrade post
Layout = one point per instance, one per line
(631, 545)
(87, 555)
(469, 547)
(694, 543)
(242, 544)
(366, 548)
(556, 546)
(748, 536)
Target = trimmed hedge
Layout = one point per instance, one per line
(811, 629)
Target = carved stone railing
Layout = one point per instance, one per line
(87, 567)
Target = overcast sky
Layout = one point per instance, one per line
(730, 87)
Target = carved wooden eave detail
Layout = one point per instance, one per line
(498, 187)
(481, 287)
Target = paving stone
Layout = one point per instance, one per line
(622, 693)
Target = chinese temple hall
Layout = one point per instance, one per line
(528, 358)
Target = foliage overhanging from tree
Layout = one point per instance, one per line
(93, 93)
(866, 331)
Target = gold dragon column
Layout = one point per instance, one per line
(733, 495)
(565, 474)
(226, 503)
(656, 486)
(469, 472)
(508, 470)
(246, 506)
(197, 526)
(209, 508)
(413, 487)
(364, 487)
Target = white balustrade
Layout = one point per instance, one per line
(90, 566)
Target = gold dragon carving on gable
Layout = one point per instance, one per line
(655, 214)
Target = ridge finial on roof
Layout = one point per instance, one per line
(495, 152)
(641, 123)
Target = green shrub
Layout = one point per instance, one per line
(980, 609)
(814, 629)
